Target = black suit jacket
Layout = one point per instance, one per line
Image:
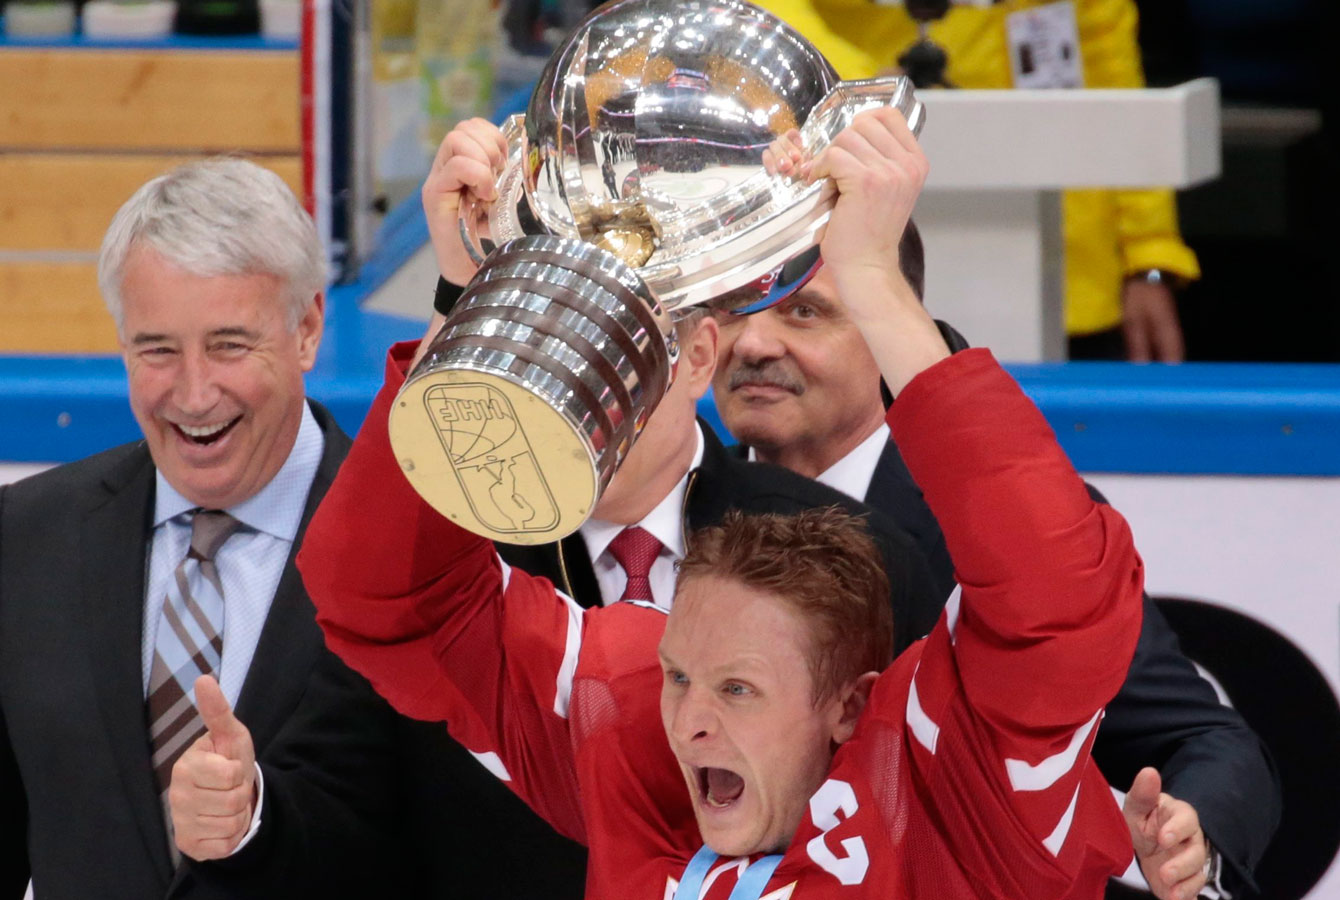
(496, 847)
(723, 482)
(1165, 715)
(77, 793)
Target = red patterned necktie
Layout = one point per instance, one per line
(636, 549)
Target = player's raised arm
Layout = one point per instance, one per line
(1033, 551)
(1011, 685)
(430, 615)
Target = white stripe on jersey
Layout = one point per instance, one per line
(951, 612)
(571, 648)
(647, 604)
(493, 763)
(923, 729)
(1024, 777)
(1056, 840)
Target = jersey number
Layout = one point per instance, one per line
(834, 797)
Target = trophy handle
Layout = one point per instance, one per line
(485, 225)
(836, 110)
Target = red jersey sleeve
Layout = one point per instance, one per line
(1012, 682)
(440, 625)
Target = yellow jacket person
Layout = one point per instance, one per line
(1113, 237)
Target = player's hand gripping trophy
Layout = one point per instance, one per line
(634, 188)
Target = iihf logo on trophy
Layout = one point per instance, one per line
(491, 457)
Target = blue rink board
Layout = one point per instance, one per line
(1193, 419)
(1198, 418)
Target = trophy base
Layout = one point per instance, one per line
(493, 457)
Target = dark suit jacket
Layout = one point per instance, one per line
(1165, 715)
(75, 782)
(503, 850)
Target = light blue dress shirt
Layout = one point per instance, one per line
(250, 562)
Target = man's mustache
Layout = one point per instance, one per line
(772, 373)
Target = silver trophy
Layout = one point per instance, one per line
(634, 189)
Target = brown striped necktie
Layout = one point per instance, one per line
(189, 644)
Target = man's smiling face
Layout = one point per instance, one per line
(796, 381)
(216, 375)
(738, 705)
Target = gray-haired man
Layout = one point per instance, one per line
(156, 577)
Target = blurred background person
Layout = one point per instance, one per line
(1124, 254)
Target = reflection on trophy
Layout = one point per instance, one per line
(634, 190)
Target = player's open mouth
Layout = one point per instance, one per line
(206, 434)
(718, 788)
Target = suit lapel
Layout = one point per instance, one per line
(709, 497)
(891, 486)
(290, 639)
(114, 540)
(575, 565)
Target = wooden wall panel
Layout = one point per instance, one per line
(53, 308)
(64, 201)
(149, 100)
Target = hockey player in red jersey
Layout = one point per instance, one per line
(756, 741)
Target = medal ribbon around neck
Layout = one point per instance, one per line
(750, 885)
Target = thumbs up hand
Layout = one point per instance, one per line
(213, 789)
(1169, 844)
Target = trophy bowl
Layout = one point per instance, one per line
(634, 189)
(645, 136)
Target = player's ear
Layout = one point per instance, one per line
(698, 355)
(850, 704)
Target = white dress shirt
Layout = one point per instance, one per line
(853, 473)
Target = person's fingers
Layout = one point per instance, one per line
(213, 848)
(1185, 872)
(477, 137)
(823, 165)
(1150, 324)
(465, 160)
(213, 772)
(229, 736)
(1141, 802)
(1135, 328)
(1178, 822)
(894, 121)
(202, 846)
(771, 163)
(490, 136)
(200, 803)
(785, 155)
(1187, 861)
(474, 175)
(215, 710)
(208, 823)
(1168, 343)
(777, 159)
(869, 140)
(482, 140)
(224, 825)
(879, 128)
(1143, 796)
